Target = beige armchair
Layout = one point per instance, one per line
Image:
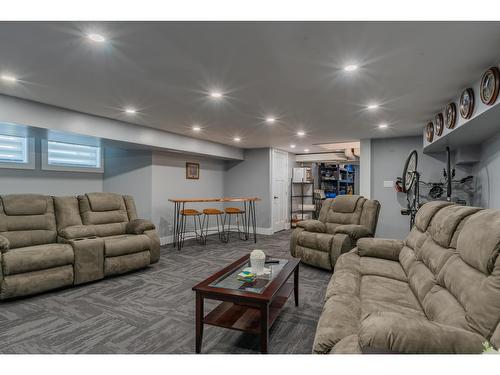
(342, 221)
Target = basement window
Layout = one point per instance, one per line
(72, 157)
(16, 152)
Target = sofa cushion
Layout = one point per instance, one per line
(24, 204)
(126, 263)
(23, 284)
(125, 244)
(388, 290)
(445, 222)
(25, 226)
(4, 244)
(442, 307)
(393, 332)
(67, 212)
(314, 257)
(345, 203)
(317, 241)
(477, 249)
(35, 258)
(350, 217)
(426, 213)
(91, 217)
(382, 267)
(100, 202)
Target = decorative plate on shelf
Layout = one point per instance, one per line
(439, 121)
(450, 115)
(467, 103)
(490, 85)
(429, 132)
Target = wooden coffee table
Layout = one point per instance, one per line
(248, 307)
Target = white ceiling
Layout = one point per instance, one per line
(291, 70)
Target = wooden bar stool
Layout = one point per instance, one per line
(195, 214)
(240, 215)
(207, 212)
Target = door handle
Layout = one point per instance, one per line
(276, 197)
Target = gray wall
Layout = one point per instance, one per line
(58, 183)
(387, 158)
(169, 181)
(252, 178)
(130, 172)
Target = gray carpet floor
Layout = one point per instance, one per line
(152, 310)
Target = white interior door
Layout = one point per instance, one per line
(280, 190)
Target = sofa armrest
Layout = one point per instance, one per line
(354, 231)
(4, 244)
(77, 231)
(341, 244)
(383, 248)
(384, 332)
(139, 226)
(312, 226)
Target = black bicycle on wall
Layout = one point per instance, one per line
(410, 182)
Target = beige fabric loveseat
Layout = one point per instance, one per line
(436, 292)
(51, 242)
(342, 222)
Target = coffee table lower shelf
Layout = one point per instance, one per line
(246, 318)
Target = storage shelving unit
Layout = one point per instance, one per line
(300, 198)
(336, 179)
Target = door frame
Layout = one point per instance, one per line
(287, 189)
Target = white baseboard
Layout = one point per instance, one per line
(265, 231)
(170, 238)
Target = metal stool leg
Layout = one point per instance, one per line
(206, 219)
(228, 227)
(182, 234)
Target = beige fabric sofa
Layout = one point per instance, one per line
(436, 292)
(51, 242)
(342, 222)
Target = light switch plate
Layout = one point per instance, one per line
(388, 184)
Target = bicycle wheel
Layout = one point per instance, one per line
(409, 170)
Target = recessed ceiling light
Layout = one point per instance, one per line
(8, 78)
(216, 94)
(292, 146)
(350, 68)
(382, 126)
(98, 38)
(301, 133)
(196, 128)
(372, 106)
(130, 111)
(236, 139)
(270, 120)
(306, 150)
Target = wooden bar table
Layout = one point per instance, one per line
(249, 208)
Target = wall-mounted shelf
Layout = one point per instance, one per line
(473, 132)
